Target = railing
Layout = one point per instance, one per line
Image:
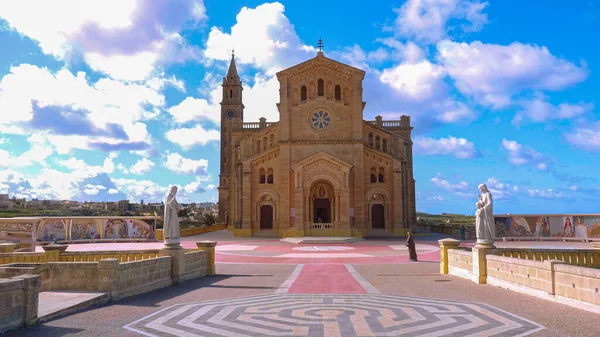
(574, 257)
(122, 256)
(251, 125)
(321, 226)
(256, 125)
(391, 124)
(26, 257)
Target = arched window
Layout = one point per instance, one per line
(338, 93)
(270, 176)
(381, 174)
(373, 176)
(258, 145)
(321, 88)
(271, 140)
(262, 176)
(370, 138)
(385, 145)
(303, 93)
(265, 143)
(377, 142)
(231, 93)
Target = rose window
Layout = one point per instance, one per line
(321, 120)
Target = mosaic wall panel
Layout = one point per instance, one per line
(575, 226)
(85, 229)
(51, 229)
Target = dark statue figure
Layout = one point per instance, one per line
(412, 249)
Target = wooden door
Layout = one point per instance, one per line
(266, 217)
(378, 216)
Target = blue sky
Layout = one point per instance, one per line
(113, 99)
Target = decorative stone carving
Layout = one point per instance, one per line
(484, 215)
(171, 220)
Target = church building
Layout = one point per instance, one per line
(321, 170)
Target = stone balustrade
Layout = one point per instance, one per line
(568, 276)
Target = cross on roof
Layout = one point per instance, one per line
(320, 44)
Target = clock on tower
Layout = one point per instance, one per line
(230, 114)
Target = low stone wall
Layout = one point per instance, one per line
(534, 275)
(140, 277)
(70, 276)
(547, 278)
(18, 301)
(460, 263)
(577, 283)
(195, 265)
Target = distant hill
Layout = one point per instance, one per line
(455, 219)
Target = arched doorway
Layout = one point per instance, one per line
(378, 206)
(266, 210)
(322, 202)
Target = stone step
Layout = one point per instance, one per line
(54, 304)
(265, 234)
(321, 240)
(380, 233)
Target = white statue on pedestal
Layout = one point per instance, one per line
(171, 219)
(484, 222)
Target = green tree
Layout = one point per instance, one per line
(209, 219)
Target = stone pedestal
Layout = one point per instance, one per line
(480, 263)
(52, 252)
(174, 243)
(7, 247)
(445, 245)
(177, 262)
(209, 247)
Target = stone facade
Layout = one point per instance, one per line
(322, 166)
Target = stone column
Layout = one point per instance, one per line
(177, 262)
(108, 273)
(209, 247)
(480, 262)
(31, 289)
(52, 252)
(445, 245)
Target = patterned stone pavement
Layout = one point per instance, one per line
(332, 315)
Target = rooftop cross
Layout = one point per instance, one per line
(320, 44)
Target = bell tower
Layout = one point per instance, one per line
(232, 113)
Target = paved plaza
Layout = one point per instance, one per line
(267, 288)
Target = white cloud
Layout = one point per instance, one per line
(585, 137)
(178, 164)
(546, 194)
(446, 185)
(493, 74)
(93, 189)
(189, 137)
(142, 166)
(196, 186)
(539, 110)
(113, 191)
(458, 147)
(72, 113)
(37, 153)
(501, 190)
(415, 81)
(141, 189)
(262, 36)
(519, 155)
(428, 20)
(123, 38)
(194, 109)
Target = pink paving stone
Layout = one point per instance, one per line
(326, 279)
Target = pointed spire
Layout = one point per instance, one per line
(232, 72)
